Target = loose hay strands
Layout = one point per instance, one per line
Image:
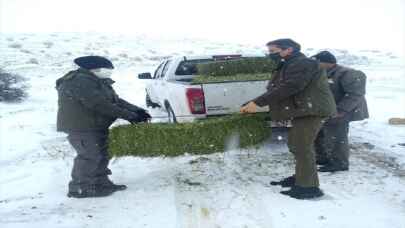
(244, 69)
(200, 137)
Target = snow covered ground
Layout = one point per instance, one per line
(215, 191)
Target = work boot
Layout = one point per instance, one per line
(107, 183)
(286, 182)
(115, 187)
(93, 191)
(332, 168)
(298, 192)
(322, 162)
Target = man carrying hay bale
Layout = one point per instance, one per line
(298, 91)
(87, 106)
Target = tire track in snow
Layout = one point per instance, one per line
(208, 192)
(242, 167)
(384, 161)
(193, 208)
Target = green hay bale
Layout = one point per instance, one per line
(248, 65)
(200, 79)
(244, 69)
(200, 137)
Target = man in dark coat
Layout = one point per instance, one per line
(298, 91)
(87, 106)
(348, 87)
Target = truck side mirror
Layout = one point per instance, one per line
(145, 76)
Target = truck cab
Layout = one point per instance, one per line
(170, 87)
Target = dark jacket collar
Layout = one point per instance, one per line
(293, 57)
(333, 70)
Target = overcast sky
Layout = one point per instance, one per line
(359, 24)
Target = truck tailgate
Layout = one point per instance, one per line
(227, 97)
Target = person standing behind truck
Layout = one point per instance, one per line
(348, 87)
(298, 91)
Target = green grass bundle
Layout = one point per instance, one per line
(244, 69)
(200, 137)
(232, 78)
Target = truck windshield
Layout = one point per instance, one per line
(188, 67)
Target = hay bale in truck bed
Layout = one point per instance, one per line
(243, 69)
(200, 137)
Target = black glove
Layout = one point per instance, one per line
(135, 119)
(140, 116)
(337, 119)
(144, 115)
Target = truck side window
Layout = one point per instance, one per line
(165, 69)
(158, 71)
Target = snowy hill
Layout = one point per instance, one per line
(220, 190)
(59, 48)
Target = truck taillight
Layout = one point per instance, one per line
(195, 98)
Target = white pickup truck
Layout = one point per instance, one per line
(170, 88)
